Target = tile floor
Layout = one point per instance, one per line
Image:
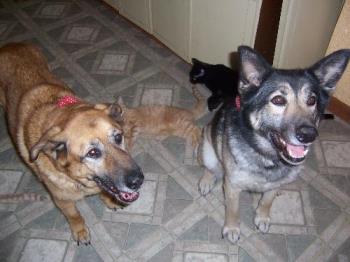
(102, 56)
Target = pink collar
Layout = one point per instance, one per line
(238, 102)
(67, 100)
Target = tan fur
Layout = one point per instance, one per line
(38, 127)
(160, 120)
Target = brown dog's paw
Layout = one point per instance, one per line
(82, 236)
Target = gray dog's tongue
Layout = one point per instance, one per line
(296, 151)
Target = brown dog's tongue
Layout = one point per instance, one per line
(129, 196)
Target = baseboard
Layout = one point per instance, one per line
(340, 109)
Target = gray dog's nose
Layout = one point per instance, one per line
(306, 134)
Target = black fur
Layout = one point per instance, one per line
(221, 80)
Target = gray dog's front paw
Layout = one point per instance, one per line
(262, 223)
(232, 233)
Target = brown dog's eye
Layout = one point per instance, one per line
(279, 100)
(311, 101)
(94, 153)
(118, 139)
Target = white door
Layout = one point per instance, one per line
(170, 21)
(219, 27)
(305, 30)
(138, 11)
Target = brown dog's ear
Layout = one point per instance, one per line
(47, 142)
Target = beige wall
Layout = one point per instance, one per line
(341, 39)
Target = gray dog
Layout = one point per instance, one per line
(258, 143)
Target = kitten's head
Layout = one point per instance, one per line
(198, 71)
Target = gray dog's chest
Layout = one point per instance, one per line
(250, 171)
(253, 180)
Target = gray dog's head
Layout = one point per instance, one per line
(284, 106)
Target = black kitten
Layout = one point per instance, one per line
(221, 80)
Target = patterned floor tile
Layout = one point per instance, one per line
(297, 244)
(102, 56)
(149, 164)
(118, 232)
(41, 250)
(165, 254)
(343, 253)
(337, 153)
(202, 257)
(287, 209)
(48, 13)
(87, 253)
(243, 256)
(9, 181)
(173, 207)
(277, 243)
(137, 232)
(10, 27)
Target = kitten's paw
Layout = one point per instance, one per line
(214, 102)
(232, 233)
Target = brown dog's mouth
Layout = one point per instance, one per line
(292, 154)
(108, 186)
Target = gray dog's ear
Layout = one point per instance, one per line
(52, 144)
(329, 70)
(253, 68)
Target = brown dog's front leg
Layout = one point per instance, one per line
(262, 217)
(231, 228)
(77, 224)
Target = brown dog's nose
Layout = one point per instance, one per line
(134, 179)
(306, 134)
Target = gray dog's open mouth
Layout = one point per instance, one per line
(292, 154)
(108, 186)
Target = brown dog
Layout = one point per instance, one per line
(75, 148)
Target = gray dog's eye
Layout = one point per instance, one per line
(118, 139)
(94, 153)
(279, 100)
(311, 101)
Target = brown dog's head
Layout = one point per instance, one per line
(88, 145)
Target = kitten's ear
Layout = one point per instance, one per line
(253, 68)
(329, 70)
(115, 111)
(195, 61)
(121, 103)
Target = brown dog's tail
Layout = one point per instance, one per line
(199, 108)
